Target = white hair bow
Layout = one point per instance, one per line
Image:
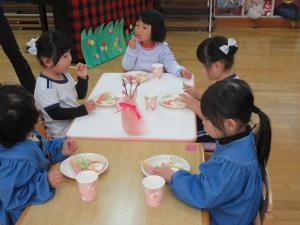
(225, 48)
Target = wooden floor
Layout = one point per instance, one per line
(269, 59)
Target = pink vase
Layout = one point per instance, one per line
(132, 119)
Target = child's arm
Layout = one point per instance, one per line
(193, 104)
(82, 87)
(129, 58)
(58, 113)
(82, 83)
(170, 62)
(215, 184)
(25, 184)
(192, 91)
(55, 177)
(59, 148)
(54, 148)
(49, 100)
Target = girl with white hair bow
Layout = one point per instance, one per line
(216, 54)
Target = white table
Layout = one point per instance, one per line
(162, 124)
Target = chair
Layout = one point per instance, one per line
(264, 216)
(208, 149)
(40, 127)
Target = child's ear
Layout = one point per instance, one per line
(47, 62)
(231, 126)
(219, 66)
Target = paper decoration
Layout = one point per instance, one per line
(106, 43)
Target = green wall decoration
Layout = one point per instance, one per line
(107, 42)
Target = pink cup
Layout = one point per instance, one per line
(87, 184)
(157, 70)
(150, 102)
(153, 187)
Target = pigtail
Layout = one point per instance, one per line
(263, 139)
(233, 49)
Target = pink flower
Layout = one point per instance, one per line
(90, 42)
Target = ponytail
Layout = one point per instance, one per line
(233, 99)
(263, 139)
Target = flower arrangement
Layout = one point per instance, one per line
(133, 85)
(132, 119)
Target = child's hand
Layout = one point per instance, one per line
(192, 91)
(69, 146)
(55, 177)
(81, 70)
(192, 103)
(90, 105)
(163, 171)
(186, 74)
(132, 42)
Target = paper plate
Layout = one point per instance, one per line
(66, 167)
(172, 101)
(108, 99)
(141, 76)
(175, 163)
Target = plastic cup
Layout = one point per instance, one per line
(157, 70)
(86, 181)
(153, 188)
(150, 101)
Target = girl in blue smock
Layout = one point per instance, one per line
(229, 185)
(26, 176)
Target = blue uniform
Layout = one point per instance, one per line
(24, 175)
(229, 184)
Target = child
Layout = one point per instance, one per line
(25, 156)
(56, 92)
(229, 185)
(147, 46)
(216, 55)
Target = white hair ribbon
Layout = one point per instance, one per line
(225, 48)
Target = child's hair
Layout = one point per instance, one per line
(53, 45)
(233, 99)
(156, 20)
(18, 114)
(209, 51)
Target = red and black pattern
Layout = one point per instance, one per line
(84, 14)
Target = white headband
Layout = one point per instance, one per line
(225, 48)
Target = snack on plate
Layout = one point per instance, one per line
(96, 166)
(136, 76)
(105, 99)
(173, 101)
(170, 164)
(81, 164)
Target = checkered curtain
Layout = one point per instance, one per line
(91, 13)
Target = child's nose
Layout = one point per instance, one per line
(137, 29)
